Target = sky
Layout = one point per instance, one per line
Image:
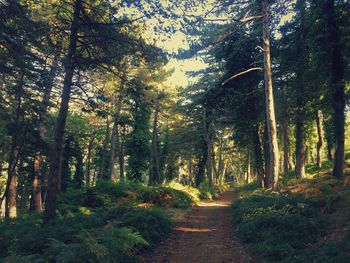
(178, 41)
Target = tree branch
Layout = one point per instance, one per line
(241, 73)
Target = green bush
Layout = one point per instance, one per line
(152, 224)
(247, 187)
(108, 244)
(212, 193)
(165, 196)
(205, 191)
(112, 235)
(275, 226)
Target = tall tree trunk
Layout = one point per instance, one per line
(215, 171)
(320, 134)
(88, 162)
(202, 162)
(300, 147)
(121, 139)
(329, 149)
(258, 161)
(220, 162)
(101, 173)
(154, 151)
(55, 160)
(190, 168)
(209, 147)
(270, 106)
(337, 86)
(115, 140)
(286, 150)
(287, 162)
(209, 164)
(249, 176)
(36, 201)
(267, 163)
(11, 186)
(223, 174)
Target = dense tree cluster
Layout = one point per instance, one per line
(306, 87)
(84, 96)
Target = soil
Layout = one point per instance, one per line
(204, 235)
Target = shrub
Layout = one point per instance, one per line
(165, 196)
(205, 191)
(87, 230)
(277, 226)
(152, 224)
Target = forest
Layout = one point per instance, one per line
(174, 131)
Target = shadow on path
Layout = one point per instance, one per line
(205, 235)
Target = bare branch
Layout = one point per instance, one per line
(241, 73)
(247, 19)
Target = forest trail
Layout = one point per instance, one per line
(204, 235)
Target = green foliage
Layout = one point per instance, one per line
(219, 189)
(171, 195)
(277, 227)
(247, 187)
(94, 225)
(138, 141)
(141, 219)
(212, 193)
(205, 191)
(92, 228)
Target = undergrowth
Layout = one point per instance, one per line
(205, 192)
(308, 221)
(107, 223)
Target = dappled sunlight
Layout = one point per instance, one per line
(214, 204)
(197, 230)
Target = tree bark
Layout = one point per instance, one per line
(215, 171)
(270, 106)
(338, 89)
(53, 179)
(286, 149)
(223, 175)
(287, 161)
(329, 149)
(249, 175)
(258, 161)
(220, 162)
(300, 147)
(11, 186)
(209, 144)
(88, 162)
(115, 140)
(36, 201)
(155, 163)
(121, 140)
(267, 164)
(320, 134)
(190, 168)
(102, 167)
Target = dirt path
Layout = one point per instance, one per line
(205, 235)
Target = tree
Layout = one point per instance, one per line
(137, 144)
(270, 107)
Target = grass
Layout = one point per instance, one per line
(307, 221)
